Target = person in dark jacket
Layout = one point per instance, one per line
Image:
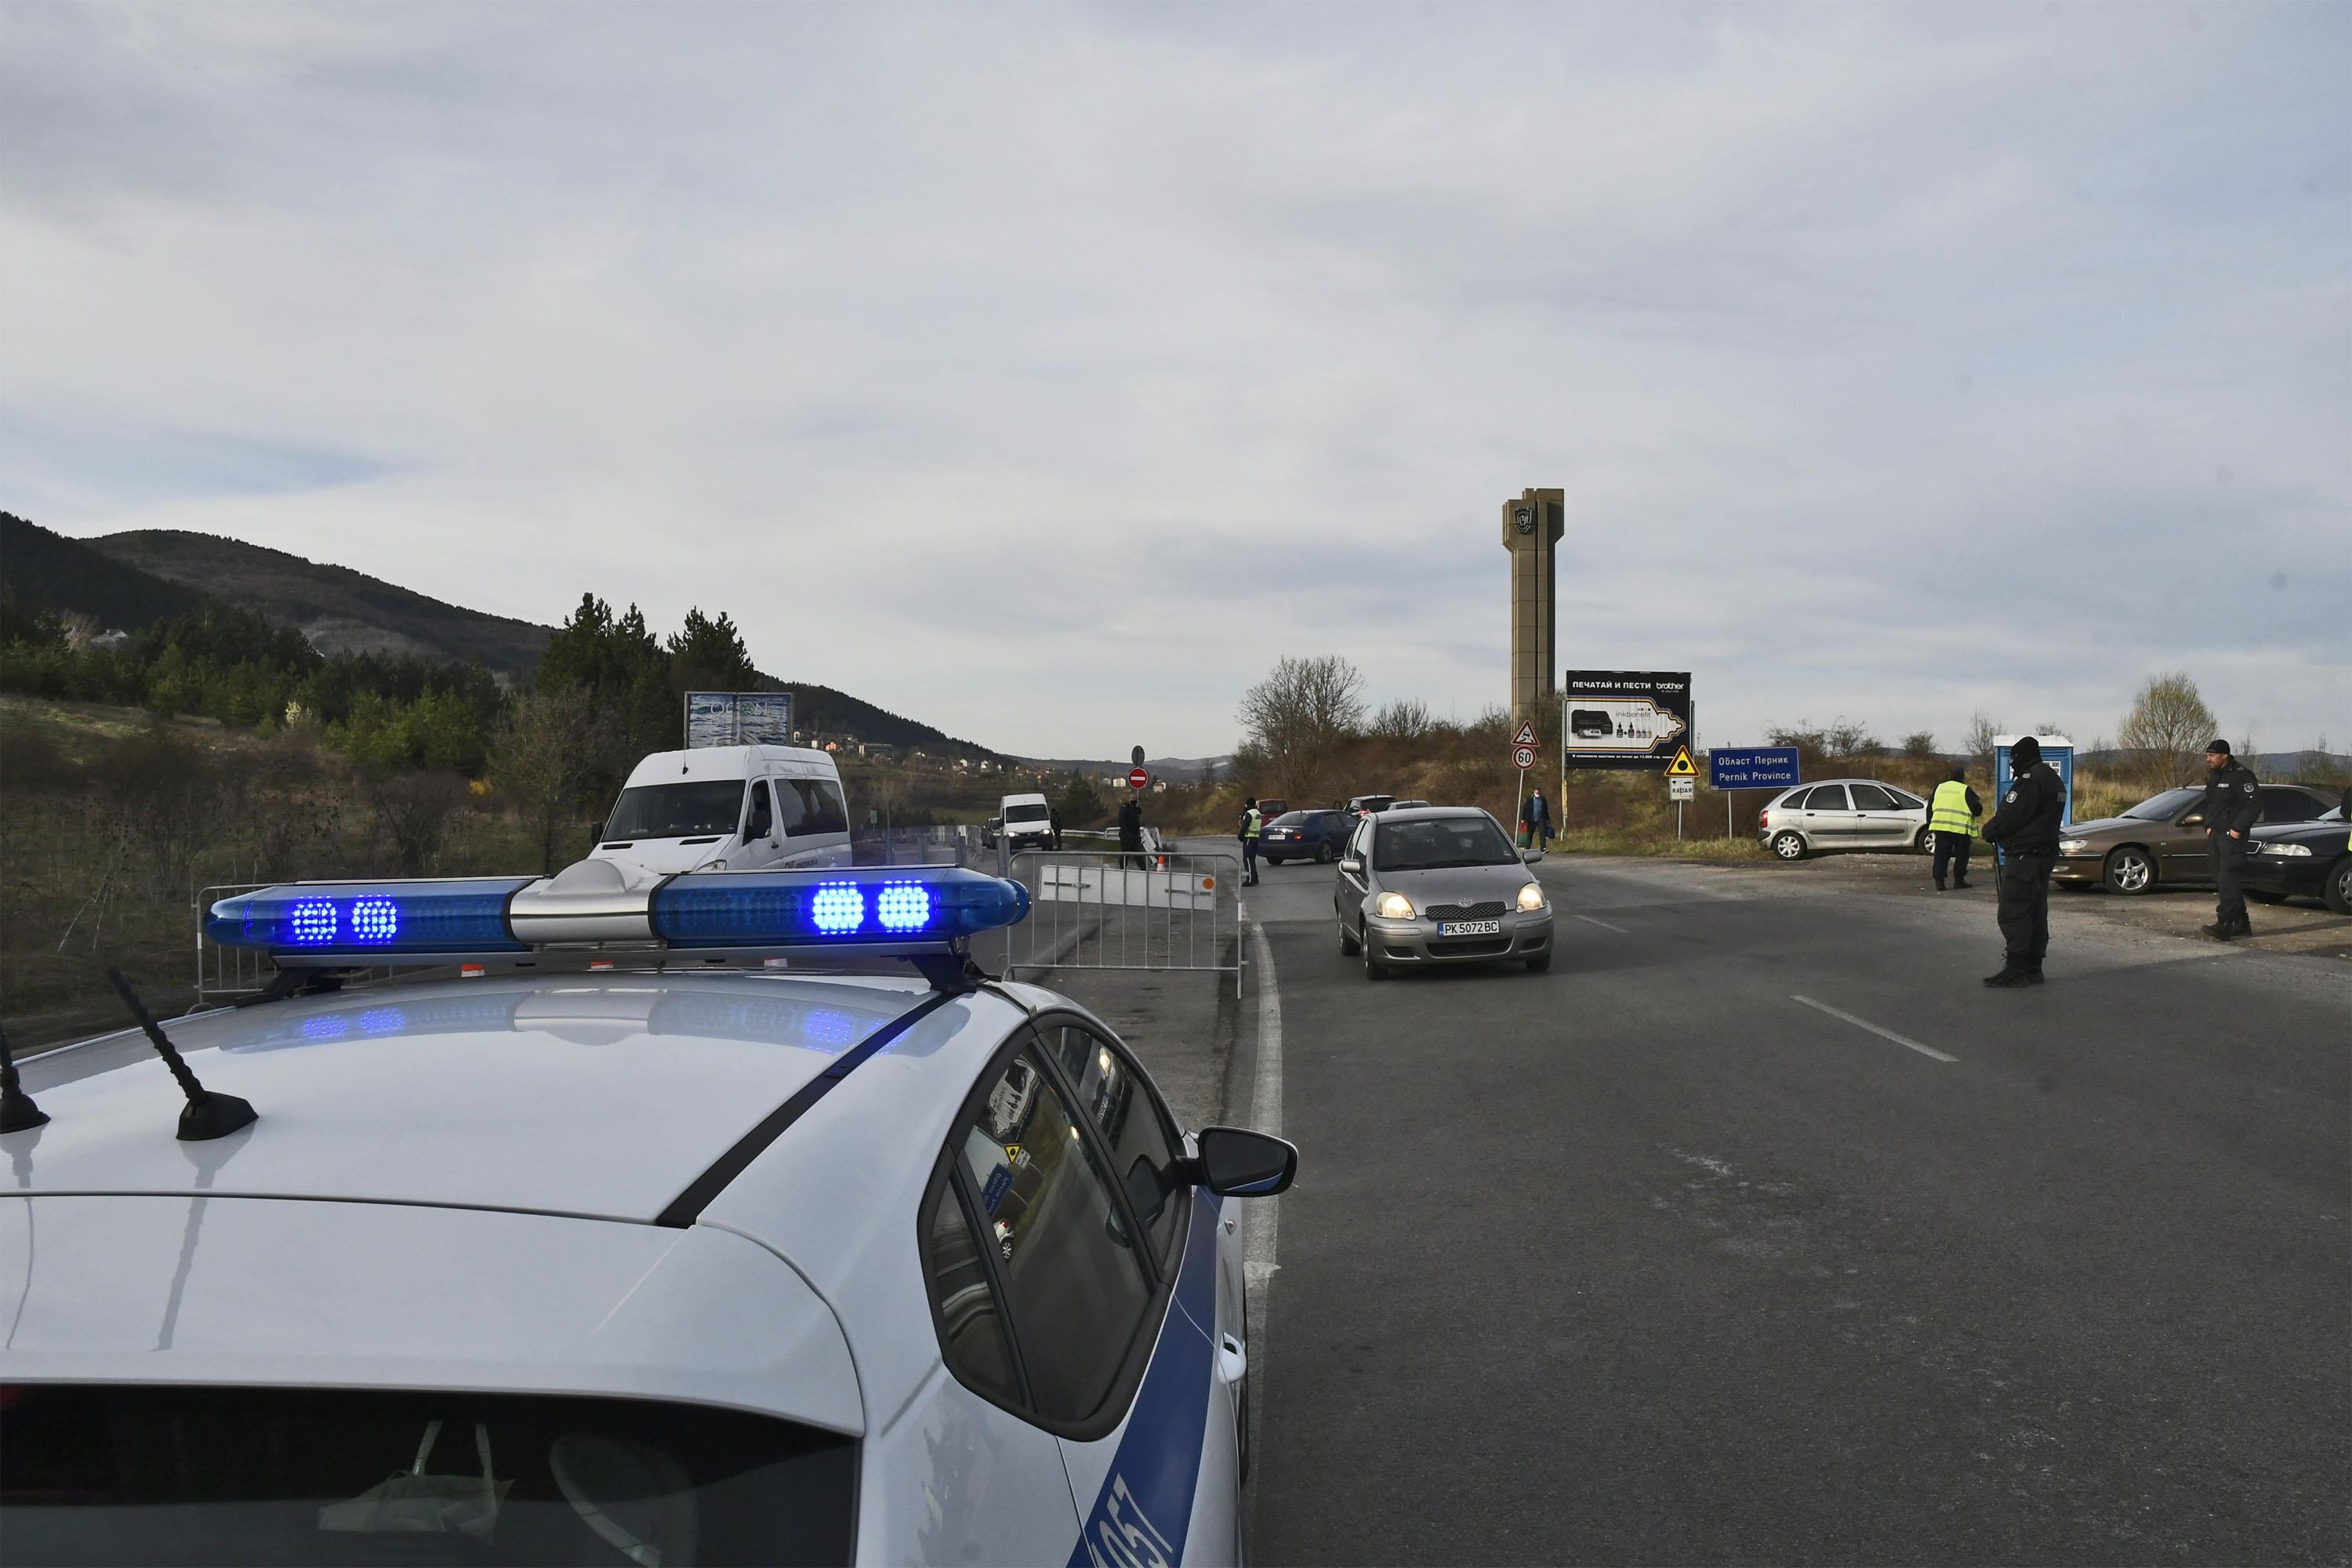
(2232, 805)
(2025, 831)
(1130, 827)
(1535, 821)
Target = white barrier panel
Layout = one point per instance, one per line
(1066, 884)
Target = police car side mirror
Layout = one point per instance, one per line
(1237, 1163)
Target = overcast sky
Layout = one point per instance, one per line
(1046, 373)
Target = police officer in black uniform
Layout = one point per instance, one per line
(2025, 830)
(2232, 806)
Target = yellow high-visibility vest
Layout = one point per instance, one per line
(1950, 813)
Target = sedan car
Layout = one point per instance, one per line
(2303, 861)
(1305, 836)
(1439, 885)
(2161, 841)
(1843, 813)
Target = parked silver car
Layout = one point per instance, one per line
(1439, 885)
(1843, 814)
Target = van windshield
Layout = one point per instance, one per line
(207, 1474)
(677, 810)
(1031, 812)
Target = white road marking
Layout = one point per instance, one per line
(1265, 1116)
(1881, 1034)
(1604, 925)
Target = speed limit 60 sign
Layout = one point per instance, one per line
(1523, 757)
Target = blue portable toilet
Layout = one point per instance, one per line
(2056, 750)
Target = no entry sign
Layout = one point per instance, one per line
(1137, 778)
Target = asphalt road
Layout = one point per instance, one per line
(1644, 1259)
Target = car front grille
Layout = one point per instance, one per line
(1490, 910)
(1477, 947)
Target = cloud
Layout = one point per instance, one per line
(1048, 374)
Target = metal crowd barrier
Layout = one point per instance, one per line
(1160, 910)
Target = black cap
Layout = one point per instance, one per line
(1960, 772)
(2220, 746)
(2025, 752)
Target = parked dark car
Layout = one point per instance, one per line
(1367, 805)
(2161, 841)
(2303, 861)
(1306, 835)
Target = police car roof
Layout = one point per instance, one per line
(603, 1096)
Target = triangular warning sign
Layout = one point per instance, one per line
(1680, 768)
(1527, 735)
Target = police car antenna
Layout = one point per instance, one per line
(17, 1111)
(206, 1115)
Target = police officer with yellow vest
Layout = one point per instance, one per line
(1953, 818)
(1251, 824)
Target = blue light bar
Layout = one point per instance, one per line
(371, 921)
(897, 909)
(915, 906)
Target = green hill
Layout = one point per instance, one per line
(38, 567)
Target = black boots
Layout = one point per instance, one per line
(2011, 974)
(1939, 884)
(2228, 931)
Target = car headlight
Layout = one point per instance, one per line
(2303, 850)
(2072, 845)
(1531, 899)
(1393, 906)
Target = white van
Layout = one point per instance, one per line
(728, 808)
(1026, 822)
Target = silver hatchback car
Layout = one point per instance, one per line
(1439, 885)
(1843, 814)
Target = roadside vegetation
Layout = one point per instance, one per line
(1310, 739)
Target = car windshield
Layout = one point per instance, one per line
(2172, 803)
(676, 810)
(1031, 811)
(1437, 841)
(203, 1473)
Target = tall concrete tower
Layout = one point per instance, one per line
(1532, 525)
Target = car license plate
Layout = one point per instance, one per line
(1469, 928)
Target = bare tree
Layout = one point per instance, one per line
(1405, 720)
(415, 813)
(547, 755)
(1919, 744)
(1299, 716)
(1979, 740)
(2165, 732)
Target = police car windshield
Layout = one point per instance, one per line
(1032, 812)
(676, 810)
(128, 1474)
(2172, 803)
(1435, 842)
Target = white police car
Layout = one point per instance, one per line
(650, 1253)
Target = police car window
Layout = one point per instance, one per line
(1144, 1149)
(822, 809)
(122, 1473)
(1073, 1279)
(1870, 797)
(2288, 805)
(1827, 797)
(677, 810)
(971, 1323)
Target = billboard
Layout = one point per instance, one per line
(1623, 718)
(738, 718)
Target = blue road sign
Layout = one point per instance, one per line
(1752, 767)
